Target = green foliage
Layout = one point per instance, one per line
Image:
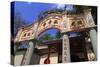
(46, 37)
(18, 22)
(58, 35)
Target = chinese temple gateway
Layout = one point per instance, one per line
(82, 47)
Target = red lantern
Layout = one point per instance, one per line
(47, 60)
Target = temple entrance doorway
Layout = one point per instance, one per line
(50, 51)
(78, 49)
(49, 46)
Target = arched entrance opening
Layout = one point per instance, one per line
(50, 46)
(54, 46)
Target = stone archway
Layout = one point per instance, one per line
(62, 21)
